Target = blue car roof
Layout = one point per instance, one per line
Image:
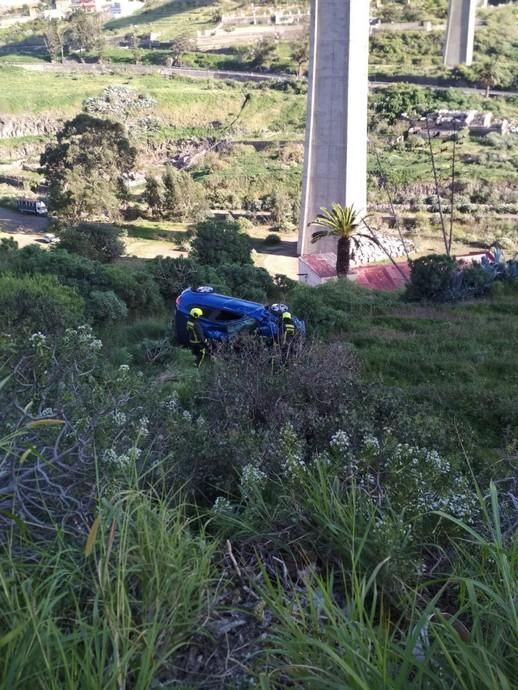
(215, 300)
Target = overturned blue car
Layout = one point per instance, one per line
(226, 317)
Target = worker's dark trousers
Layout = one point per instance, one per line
(286, 351)
(199, 351)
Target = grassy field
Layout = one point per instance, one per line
(180, 103)
(462, 360)
(171, 18)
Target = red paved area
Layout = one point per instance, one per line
(381, 277)
(376, 277)
(388, 277)
(324, 265)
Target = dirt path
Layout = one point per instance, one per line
(148, 249)
(12, 221)
(23, 238)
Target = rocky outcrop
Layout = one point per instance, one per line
(29, 125)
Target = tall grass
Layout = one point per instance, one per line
(108, 614)
(336, 631)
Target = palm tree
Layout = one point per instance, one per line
(341, 222)
(489, 75)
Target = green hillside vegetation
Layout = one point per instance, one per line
(415, 53)
(337, 515)
(352, 527)
(173, 18)
(393, 53)
(266, 177)
(181, 102)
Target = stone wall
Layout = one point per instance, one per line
(24, 126)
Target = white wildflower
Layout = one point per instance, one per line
(123, 460)
(119, 418)
(323, 459)
(47, 412)
(187, 416)
(340, 441)
(291, 449)
(294, 465)
(84, 336)
(110, 456)
(371, 442)
(143, 426)
(38, 339)
(134, 453)
(172, 404)
(222, 505)
(252, 478)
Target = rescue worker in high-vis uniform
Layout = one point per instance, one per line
(286, 335)
(197, 339)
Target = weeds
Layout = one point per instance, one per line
(335, 631)
(113, 615)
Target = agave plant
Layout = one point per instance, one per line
(342, 222)
(498, 267)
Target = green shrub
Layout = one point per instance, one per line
(241, 280)
(104, 305)
(397, 99)
(272, 238)
(134, 286)
(245, 224)
(175, 274)
(247, 282)
(32, 304)
(96, 241)
(280, 205)
(334, 306)
(220, 242)
(431, 277)
(476, 279)
(70, 269)
(183, 197)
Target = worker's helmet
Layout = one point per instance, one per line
(196, 312)
(286, 315)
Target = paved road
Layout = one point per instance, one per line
(13, 222)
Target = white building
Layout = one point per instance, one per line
(13, 4)
(115, 8)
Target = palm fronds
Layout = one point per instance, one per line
(339, 221)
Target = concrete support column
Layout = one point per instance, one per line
(335, 162)
(460, 34)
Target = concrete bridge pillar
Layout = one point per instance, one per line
(335, 161)
(460, 34)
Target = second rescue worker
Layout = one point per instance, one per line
(198, 342)
(287, 334)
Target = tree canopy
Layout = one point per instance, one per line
(220, 242)
(96, 241)
(85, 168)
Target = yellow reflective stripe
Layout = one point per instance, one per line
(193, 335)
